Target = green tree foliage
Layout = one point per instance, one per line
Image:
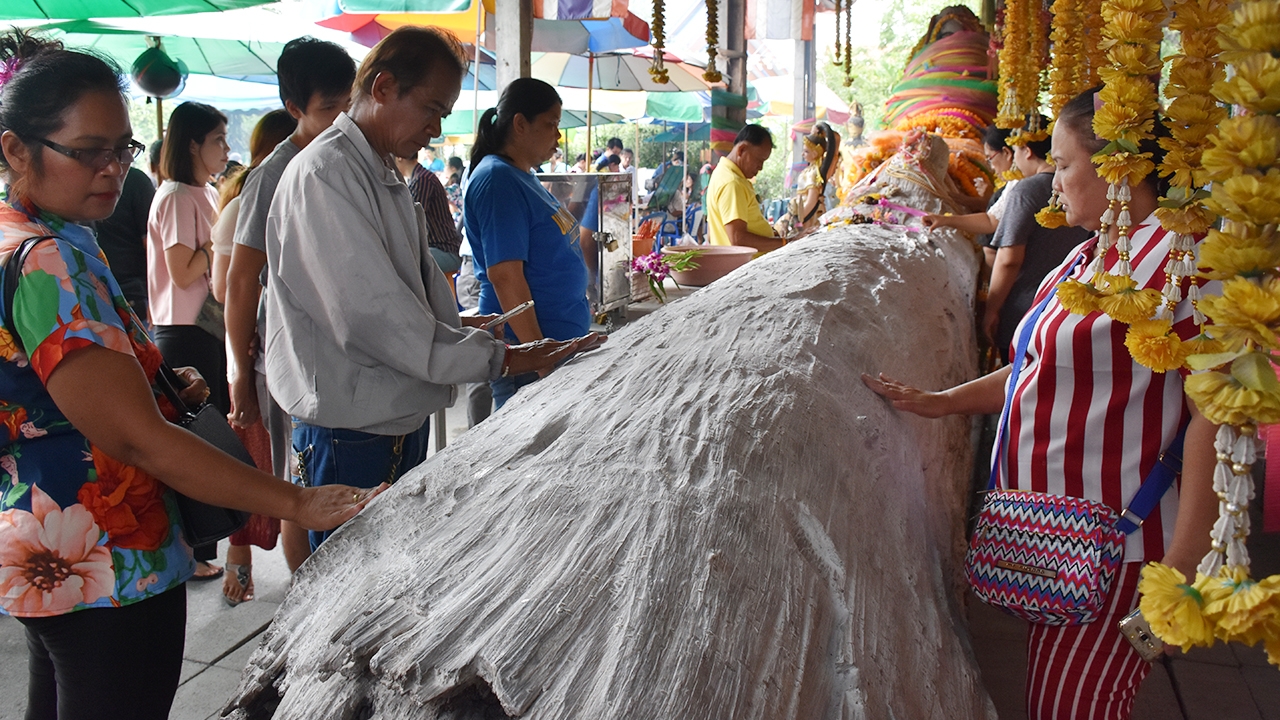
(240, 124)
(876, 70)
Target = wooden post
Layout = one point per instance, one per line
(513, 38)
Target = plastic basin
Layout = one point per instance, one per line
(714, 262)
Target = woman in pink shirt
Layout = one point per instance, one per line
(179, 257)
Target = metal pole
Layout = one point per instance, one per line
(475, 86)
(685, 179)
(591, 82)
(160, 119)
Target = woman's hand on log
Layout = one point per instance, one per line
(544, 355)
(936, 221)
(328, 506)
(907, 398)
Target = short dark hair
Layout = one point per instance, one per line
(628, 150)
(412, 55)
(46, 81)
(455, 163)
(614, 143)
(754, 135)
(308, 67)
(996, 137)
(190, 122)
(1041, 148)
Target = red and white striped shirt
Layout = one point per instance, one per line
(1086, 420)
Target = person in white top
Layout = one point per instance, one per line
(180, 257)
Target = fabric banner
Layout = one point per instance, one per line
(780, 19)
(579, 9)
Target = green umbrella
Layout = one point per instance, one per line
(84, 9)
(235, 59)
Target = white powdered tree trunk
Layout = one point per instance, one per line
(709, 518)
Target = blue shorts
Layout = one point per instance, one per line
(334, 456)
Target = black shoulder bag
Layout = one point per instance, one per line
(201, 523)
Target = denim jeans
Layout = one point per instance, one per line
(335, 456)
(504, 388)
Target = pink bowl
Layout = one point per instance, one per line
(714, 262)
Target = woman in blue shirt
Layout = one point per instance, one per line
(525, 242)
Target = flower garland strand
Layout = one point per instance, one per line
(712, 75)
(1237, 388)
(838, 52)
(1125, 117)
(1067, 75)
(848, 40)
(658, 70)
(1014, 62)
(1190, 117)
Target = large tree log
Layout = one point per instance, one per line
(711, 517)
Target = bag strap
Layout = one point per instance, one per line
(1017, 362)
(168, 382)
(12, 275)
(1154, 485)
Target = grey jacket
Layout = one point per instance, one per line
(363, 331)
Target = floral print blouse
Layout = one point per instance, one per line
(78, 529)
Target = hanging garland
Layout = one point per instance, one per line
(1094, 50)
(839, 56)
(1125, 117)
(1239, 391)
(712, 75)
(658, 70)
(1067, 75)
(1191, 117)
(1014, 62)
(848, 38)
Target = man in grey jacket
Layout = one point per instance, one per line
(364, 338)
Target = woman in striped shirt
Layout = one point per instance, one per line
(1087, 421)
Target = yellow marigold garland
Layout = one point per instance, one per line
(1068, 76)
(658, 70)
(1093, 50)
(1014, 64)
(712, 75)
(1125, 117)
(1237, 387)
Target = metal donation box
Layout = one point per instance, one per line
(601, 202)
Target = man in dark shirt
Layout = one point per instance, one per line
(123, 237)
(442, 234)
(1025, 251)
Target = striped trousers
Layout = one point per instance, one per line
(1087, 672)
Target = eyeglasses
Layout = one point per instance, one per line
(98, 158)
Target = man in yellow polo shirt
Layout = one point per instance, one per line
(733, 214)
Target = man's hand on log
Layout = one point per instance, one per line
(907, 398)
(544, 355)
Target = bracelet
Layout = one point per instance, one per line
(506, 361)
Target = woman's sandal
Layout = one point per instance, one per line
(241, 575)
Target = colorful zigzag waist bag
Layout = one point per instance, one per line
(1051, 559)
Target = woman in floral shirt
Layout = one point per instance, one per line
(92, 560)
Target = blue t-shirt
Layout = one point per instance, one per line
(510, 216)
